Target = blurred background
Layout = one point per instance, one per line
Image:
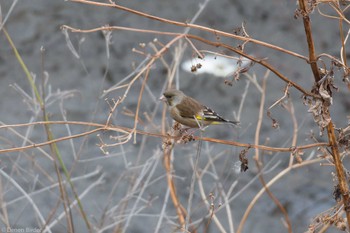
(128, 186)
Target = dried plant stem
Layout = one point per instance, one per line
(258, 162)
(54, 149)
(139, 102)
(36, 209)
(212, 43)
(343, 185)
(310, 41)
(125, 130)
(290, 109)
(271, 182)
(180, 210)
(194, 26)
(63, 191)
(213, 216)
(193, 182)
(260, 61)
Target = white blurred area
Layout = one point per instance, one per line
(216, 65)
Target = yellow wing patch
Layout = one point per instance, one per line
(201, 118)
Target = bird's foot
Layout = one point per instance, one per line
(185, 138)
(185, 135)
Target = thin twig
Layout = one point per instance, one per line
(309, 39)
(102, 127)
(271, 182)
(194, 26)
(258, 160)
(212, 43)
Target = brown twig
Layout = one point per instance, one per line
(139, 101)
(310, 41)
(257, 60)
(180, 210)
(102, 127)
(125, 130)
(285, 95)
(212, 43)
(290, 109)
(343, 185)
(194, 26)
(257, 159)
(269, 184)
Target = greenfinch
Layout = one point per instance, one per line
(189, 112)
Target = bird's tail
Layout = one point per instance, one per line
(224, 121)
(233, 123)
(216, 119)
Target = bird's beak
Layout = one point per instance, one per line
(162, 98)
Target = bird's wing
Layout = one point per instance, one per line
(199, 111)
(190, 109)
(202, 113)
(210, 115)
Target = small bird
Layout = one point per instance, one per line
(189, 112)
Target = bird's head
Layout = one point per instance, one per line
(172, 97)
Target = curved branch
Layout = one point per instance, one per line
(212, 43)
(190, 25)
(126, 130)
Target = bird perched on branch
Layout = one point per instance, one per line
(189, 112)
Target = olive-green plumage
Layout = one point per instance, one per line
(189, 112)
